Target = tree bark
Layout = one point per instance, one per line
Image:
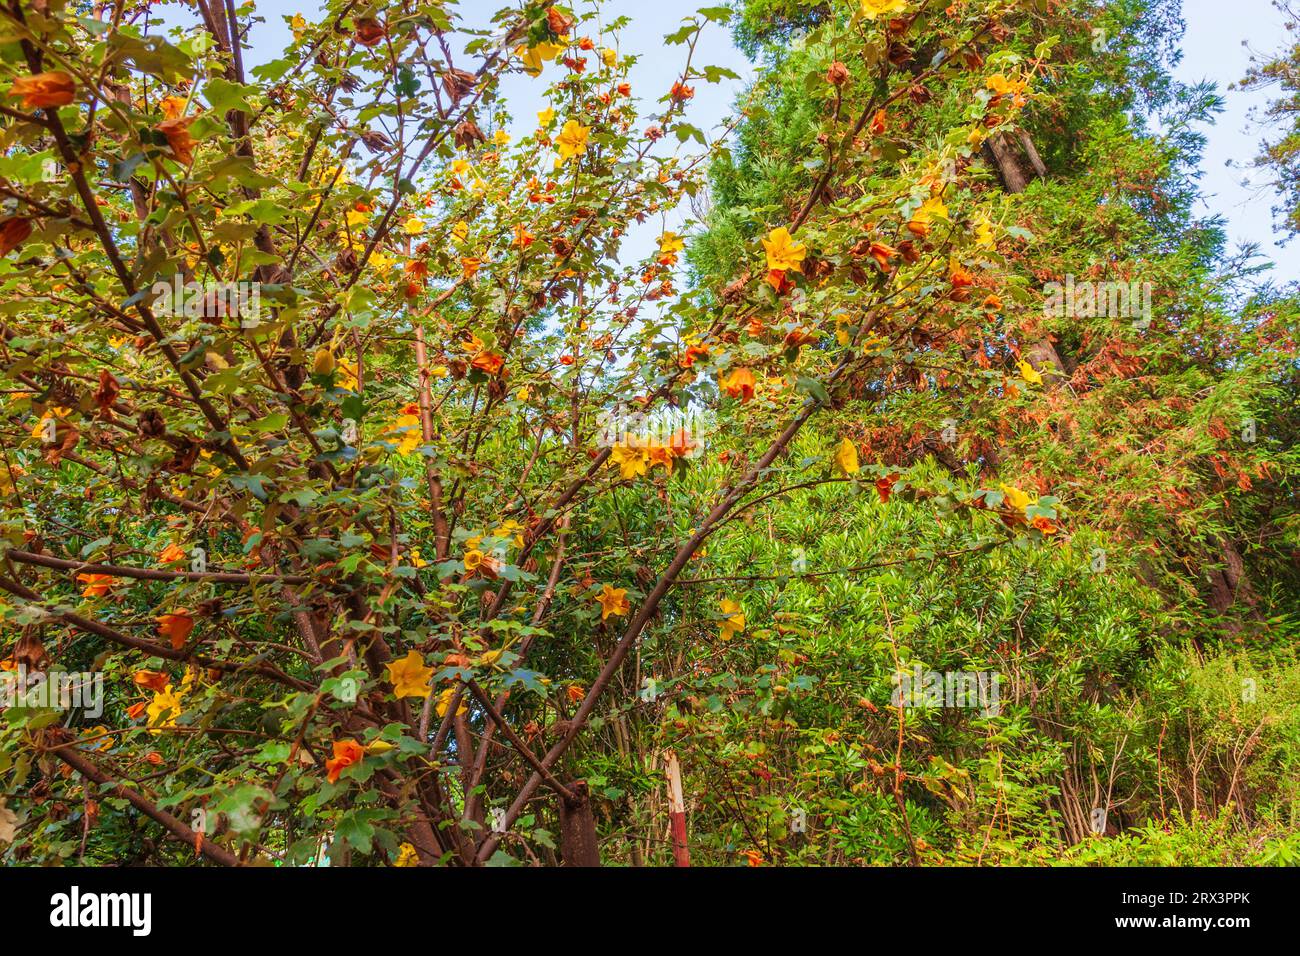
(578, 843)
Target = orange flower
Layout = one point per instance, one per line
(797, 338)
(613, 601)
(1044, 525)
(693, 352)
(779, 281)
(178, 136)
(885, 487)
(176, 627)
(489, 362)
(151, 680)
(135, 710)
(470, 266)
(346, 753)
(754, 857)
(882, 253)
(878, 122)
(154, 757)
(661, 455)
(173, 107)
(171, 554)
(576, 692)
(13, 233)
(45, 89)
(740, 384)
(97, 585)
(680, 443)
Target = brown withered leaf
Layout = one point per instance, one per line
(106, 394)
(184, 459)
(65, 440)
(29, 653)
(375, 141)
(370, 31)
(13, 233)
(458, 84)
(150, 424)
(467, 134)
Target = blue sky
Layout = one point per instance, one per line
(1212, 50)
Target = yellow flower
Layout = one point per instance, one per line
(406, 856)
(546, 117)
(510, 528)
(608, 57)
(929, 209)
(875, 8)
(416, 560)
(413, 226)
(501, 138)
(473, 557)
(1029, 373)
(345, 377)
(444, 702)
(56, 413)
(846, 457)
(613, 601)
(324, 362)
(1015, 497)
(409, 676)
(572, 140)
(409, 435)
(298, 24)
(983, 232)
(535, 56)
(632, 462)
(165, 702)
(733, 622)
(460, 232)
(1002, 86)
(671, 242)
(488, 658)
(783, 253)
(380, 261)
(357, 217)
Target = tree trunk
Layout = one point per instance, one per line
(1018, 163)
(578, 844)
